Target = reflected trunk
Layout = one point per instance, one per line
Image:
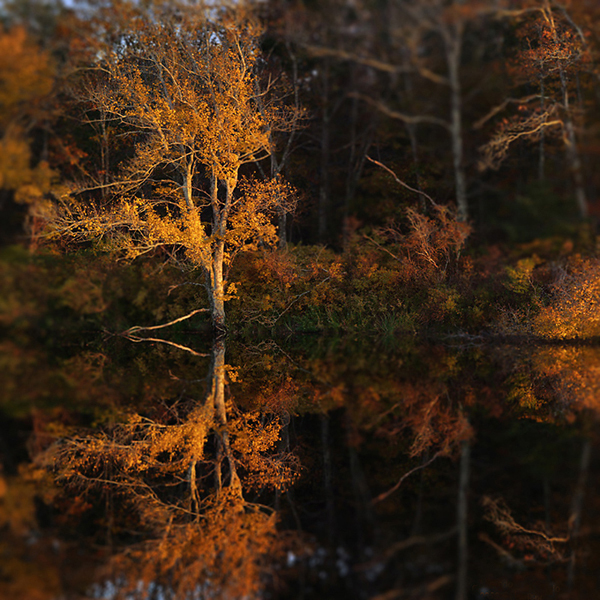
(463, 522)
(216, 399)
(577, 507)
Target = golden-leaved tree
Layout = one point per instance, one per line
(183, 83)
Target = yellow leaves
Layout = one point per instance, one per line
(519, 276)
(253, 438)
(522, 393)
(231, 292)
(187, 89)
(16, 172)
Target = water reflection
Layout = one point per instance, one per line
(178, 480)
(310, 471)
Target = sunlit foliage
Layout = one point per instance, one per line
(186, 89)
(573, 311)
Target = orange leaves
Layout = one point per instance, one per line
(228, 554)
(549, 45)
(432, 246)
(25, 73)
(254, 437)
(573, 311)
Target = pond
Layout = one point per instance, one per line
(311, 467)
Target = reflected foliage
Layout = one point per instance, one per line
(316, 468)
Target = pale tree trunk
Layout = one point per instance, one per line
(412, 136)
(282, 212)
(576, 168)
(573, 152)
(282, 228)
(188, 175)
(217, 288)
(571, 140)
(452, 36)
(542, 162)
(215, 281)
(359, 147)
(279, 158)
(105, 152)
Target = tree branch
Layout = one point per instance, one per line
(137, 328)
(135, 338)
(413, 119)
(386, 67)
(384, 495)
(494, 111)
(398, 180)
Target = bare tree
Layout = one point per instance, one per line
(553, 50)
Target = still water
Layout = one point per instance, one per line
(304, 468)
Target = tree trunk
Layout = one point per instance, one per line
(577, 507)
(571, 141)
(187, 185)
(325, 151)
(217, 290)
(453, 40)
(576, 168)
(215, 282)
(217, 398)
(542, 161)
(282, 228)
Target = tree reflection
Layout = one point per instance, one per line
(551, 381)
(557, 386)
(429, 470)
(178, 482)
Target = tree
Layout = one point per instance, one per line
(553, 52)
(182, 84)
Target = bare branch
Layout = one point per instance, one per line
(494, 111)
(510, 560)
(135, 338)
(413, 119)
(384, 495)
(383, 248)
(386, 67)
(137, 328)
(398, 180)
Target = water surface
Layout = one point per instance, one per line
(304, 468)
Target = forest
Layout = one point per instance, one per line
(299, 299)
(409, 165)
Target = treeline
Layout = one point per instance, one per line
(483, 105)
